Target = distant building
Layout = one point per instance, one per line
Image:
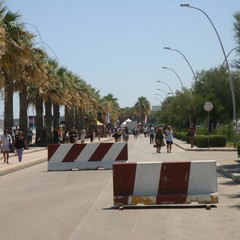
(155, 108)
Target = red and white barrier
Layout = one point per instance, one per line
(152, 183)
(85, 156)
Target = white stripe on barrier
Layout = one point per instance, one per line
(204, 174)
(87, 152)
(147, 178)
(113, 152)
(61, 152)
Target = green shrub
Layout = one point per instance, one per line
(214, 141)
(238, 149)
(181, 135)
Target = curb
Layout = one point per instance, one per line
(233, 175)
(206, 149)
(22, 166)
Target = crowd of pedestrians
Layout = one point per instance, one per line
(158, 136)
(16, 141)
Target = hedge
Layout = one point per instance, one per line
(201, 141)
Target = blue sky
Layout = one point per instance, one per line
(116, 46)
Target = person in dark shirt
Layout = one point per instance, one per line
(20, 144)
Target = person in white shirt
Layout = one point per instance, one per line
(169, 138)
(6, 142)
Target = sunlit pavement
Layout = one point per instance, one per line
(36, 155)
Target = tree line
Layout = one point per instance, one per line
(211, 85)
(41, 81)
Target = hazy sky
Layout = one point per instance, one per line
(116, 46)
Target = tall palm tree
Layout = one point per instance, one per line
(37, 86)
(142, 107)
(12, 54)
(111, 108)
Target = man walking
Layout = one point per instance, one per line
(6, 141)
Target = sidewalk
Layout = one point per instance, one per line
(31, 157)
(230, 168)
(36, 155)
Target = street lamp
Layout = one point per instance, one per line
(229, 54)
(175, 73)
(163, 91)
(227, 66)
(168, 48)
(45, 44)
(159, 96)
(167, 86)
(159, 101)
(37, 32)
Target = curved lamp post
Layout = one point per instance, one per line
(167, 86)
(25, 23)
(159, 96)
(227, 66)
(175, 73)
(44, 43)
(163, 91)
(229, 54)
(168, 48)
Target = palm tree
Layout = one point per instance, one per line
(142, 107)
(37, 86)
(12, 54)
(111, 108)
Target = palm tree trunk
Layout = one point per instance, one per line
(39, 116)
(23, 121)
(8, 103)
(56, 115)
(48, 111)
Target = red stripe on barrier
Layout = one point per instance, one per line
(52, 149)
(123, 155)
(74, 152)
(100, 152)
(173, 186)
(123, 184)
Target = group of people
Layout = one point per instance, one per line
(119, 133)
(17, 142)
(159, 137)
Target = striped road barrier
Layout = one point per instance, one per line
(153, 183)
(85, 156)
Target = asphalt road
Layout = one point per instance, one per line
(36, 204)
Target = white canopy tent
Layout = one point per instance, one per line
(125, 122)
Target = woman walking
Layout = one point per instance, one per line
(19, 144)
(169, 138)
(6, 142)
(159, 139)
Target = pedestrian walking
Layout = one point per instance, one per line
(16, 131)
(151, 133)
(30, 135)
(6, 143)
(20, 144)
(91, 135)
(191, 133)
(169, 138)
(83, 134)
(159, 139)
(126, 134)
